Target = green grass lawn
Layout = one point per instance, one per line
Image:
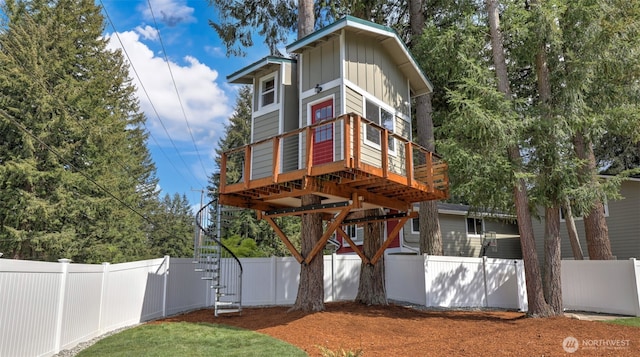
(182, 339)
(630, 321)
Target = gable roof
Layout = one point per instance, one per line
(246, 74)
(387, 38)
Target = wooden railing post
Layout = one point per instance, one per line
(357, 129)
(430, 170)
(385, 152)
(309, 146)
(347, 140)
(408, 161)
(276, 158)
(247, 166)
(223, 172)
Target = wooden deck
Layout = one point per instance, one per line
(394, 181)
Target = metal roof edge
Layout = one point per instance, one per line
(257, 65)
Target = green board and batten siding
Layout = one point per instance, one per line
(321, 64)
(372, 69)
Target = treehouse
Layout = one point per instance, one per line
(334, 122)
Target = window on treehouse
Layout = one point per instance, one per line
(384, 119)
(267, 90)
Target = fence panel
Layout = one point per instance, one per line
(607, 286)
(346, 277)
(454, 281)
(502, 283)
(258, 281)
(405, 278)
(133, 293)
(185, 290)
(82, 303)
(30, 294)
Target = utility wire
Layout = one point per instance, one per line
(184, 114)
(144, 89)
(69, 163)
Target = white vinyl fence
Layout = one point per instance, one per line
(48, 307)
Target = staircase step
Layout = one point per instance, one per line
(228, 311)
(218, 286)
(227, 303)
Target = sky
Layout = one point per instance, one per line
(187, 119)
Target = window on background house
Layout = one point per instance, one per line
(474, 226)
(267, 91)
(382, 118)
(415, 225)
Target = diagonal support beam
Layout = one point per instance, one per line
(327, 234)
(353, 245)
(284, 238)
(389, 239)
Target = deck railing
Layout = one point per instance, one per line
(359, 144)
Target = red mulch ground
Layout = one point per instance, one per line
(401, 331)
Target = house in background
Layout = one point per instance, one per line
(623, 221)
(464, 233)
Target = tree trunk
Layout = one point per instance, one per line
(430, 234)
(537, 303)
(311, 288)
(572, 231)
(371, 289)
(552, 281)
(595, 225)
(306, 18)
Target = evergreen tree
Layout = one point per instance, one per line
(76, 175)
(174, 226)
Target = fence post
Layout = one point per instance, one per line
(61, 300)
(521, 285)
(164, 288)
(484, 278)
(636, 284)
(274, 280)
(103, 293)
(427, 281)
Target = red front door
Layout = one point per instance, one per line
(323, 141)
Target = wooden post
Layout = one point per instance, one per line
(384, 134)
(223, 172)
(276, 158)
(247, 166)
(357, 128)
(430, 171)
(309, 146)
(408, 161)
(347, 140)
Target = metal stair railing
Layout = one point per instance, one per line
(219, 266)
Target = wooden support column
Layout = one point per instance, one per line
(408, 164)
(347, 140)
(247, 166)
(430, 171)
(357, 129)
(309, 147)
(384, 134)
(223, 172)
(327, 234)
(284, 238)
(276, 158)
(389, 239)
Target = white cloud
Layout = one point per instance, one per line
(215, 51)
(148, 32)
(169, 12)
(205, 103)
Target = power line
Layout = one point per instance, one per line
(144, 89)
(184, 114)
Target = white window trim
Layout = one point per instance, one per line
(381, 106)
(606, 213)
(474, 235)
(265, 108)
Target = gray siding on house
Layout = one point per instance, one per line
(353, 101)
(623, 223)
(266, 126)
(262, 163)
(456, 242)
(371, 68)
(321, 64)
(290, 145)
